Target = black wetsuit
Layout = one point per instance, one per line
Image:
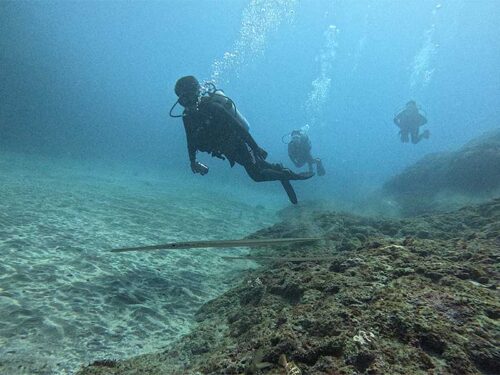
(409, 121)
(299, 151)
(213, 127)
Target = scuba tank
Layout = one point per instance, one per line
(400, 109)
(208, 89)
(218, 96)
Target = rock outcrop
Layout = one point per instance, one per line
(385, 296)
(472, 172)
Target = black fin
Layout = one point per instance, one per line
(289, 191)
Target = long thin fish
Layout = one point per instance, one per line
(284, 259)
(219, 243)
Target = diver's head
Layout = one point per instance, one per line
(411, 104)
(295, 134)
(188, 90)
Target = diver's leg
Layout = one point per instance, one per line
(259, 176)
(404, 136)
(299, 163)
(415, 137)
(319, 167)
(254, 173)
(278, 172)
(425, 135)
(264, 171)
(310, 165)
(310, 161)
(260, 170)
(248, 160)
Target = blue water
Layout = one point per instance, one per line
(94, 79)
(89, 84)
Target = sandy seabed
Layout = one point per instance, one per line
(65, 300)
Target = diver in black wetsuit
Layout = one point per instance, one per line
(409, 120)
(214, 125)
(299, 151)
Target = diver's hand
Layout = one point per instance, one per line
(262, 153)
(197, 167)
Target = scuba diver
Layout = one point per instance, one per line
(409, 120)
(299, 151)
(214, 125)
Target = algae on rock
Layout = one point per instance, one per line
(412, 296)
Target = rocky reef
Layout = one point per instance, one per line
(377, 296)
(445, 180)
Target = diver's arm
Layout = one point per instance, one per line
(196, 166)
(189, 139)
(191, 152)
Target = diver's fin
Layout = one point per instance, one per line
(302, 175)
(284, 174)
(289, 191)
(320, 168)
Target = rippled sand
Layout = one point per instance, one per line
(65, 300)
